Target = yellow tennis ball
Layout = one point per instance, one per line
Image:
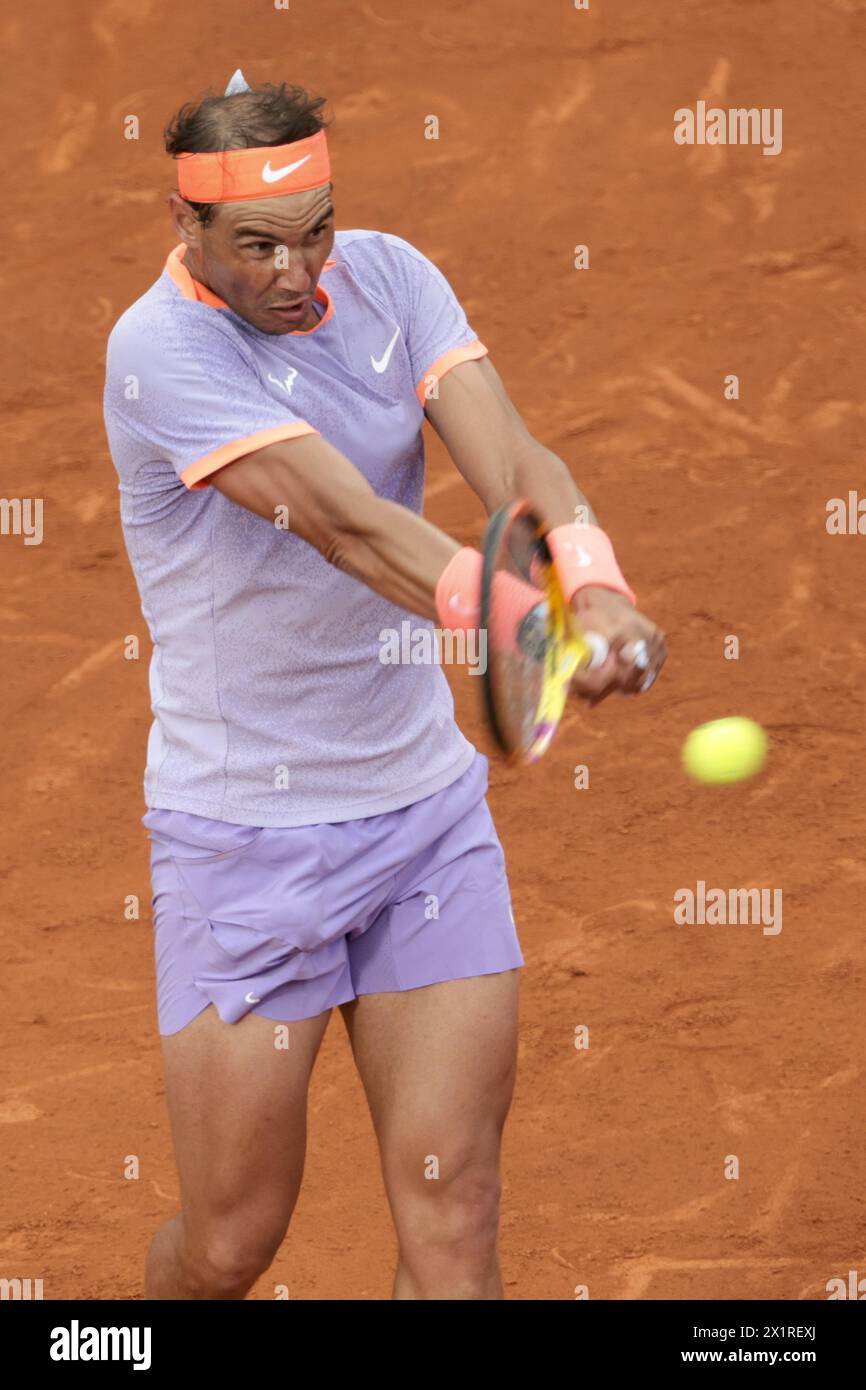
(725, 750)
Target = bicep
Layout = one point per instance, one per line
(481, 428)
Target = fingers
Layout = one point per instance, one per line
(645, 657)
(643, 672)
(600, 649)
(594, 683)
(630, 668)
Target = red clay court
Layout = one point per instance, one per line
(705, 1041)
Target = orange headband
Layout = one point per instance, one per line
(231, 176)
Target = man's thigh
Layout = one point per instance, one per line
(438, 1065)
(237, 1098)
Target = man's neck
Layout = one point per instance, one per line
(191, 262)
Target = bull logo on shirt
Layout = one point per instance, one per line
(289, 382)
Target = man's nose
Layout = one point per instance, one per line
(292, 272)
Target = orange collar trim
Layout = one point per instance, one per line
(190, 288)
(194, 289)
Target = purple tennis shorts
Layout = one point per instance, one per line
(288, 922)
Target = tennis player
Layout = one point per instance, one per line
(320, 834)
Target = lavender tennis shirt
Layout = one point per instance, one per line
(271, 705)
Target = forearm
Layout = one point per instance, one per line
(401, 555)
(542, 477)
(393, 551)
(493, 449)
(331, 505)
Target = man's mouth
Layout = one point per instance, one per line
(295, 309)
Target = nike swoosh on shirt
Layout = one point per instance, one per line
(270, 175)
(582, 558)
(381, 363)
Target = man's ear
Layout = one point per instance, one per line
(184, 220)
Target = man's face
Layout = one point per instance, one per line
(263, 255)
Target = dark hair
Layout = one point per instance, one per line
(267, 115)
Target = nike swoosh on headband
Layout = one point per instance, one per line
(270, 175)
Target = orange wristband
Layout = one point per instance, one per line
(584, 556)
(458, 590)
(458, 598)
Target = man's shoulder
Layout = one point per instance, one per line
(366, 250)
(387, 267)
(164, 321)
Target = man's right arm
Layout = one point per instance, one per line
(329, 503)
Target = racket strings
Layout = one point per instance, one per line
(518, 632)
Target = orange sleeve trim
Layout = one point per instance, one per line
(469, 352)
(194, 476)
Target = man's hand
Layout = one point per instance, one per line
(625, 669)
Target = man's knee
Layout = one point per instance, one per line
(459, 1209)
(232, 1254)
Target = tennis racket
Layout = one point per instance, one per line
(534, 643)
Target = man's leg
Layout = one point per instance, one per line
(238, 1109)
(438, 1065)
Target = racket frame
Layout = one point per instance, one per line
(565, 649)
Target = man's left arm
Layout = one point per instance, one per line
(500, 460)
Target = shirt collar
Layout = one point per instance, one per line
(194, 289)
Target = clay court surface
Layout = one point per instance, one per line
(556, 128)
